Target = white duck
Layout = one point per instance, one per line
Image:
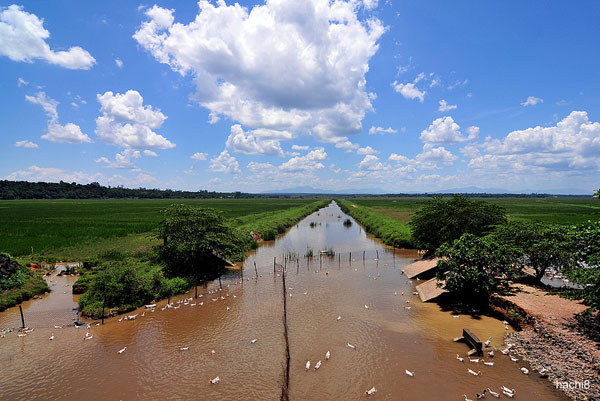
(488, 341)
(372, 391)
(51, 337)
(327, 355)
(307, 366)
(493, 393)
(122, 350)
(408, 372)
(488, 363)
(215, 380)
(351, 346)
(318, 365)
(473, 372)
(525, 371)
(253, 341)
(460, 359)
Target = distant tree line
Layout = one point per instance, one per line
(64, 190)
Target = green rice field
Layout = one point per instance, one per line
(78, 228)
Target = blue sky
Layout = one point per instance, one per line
(258, 96)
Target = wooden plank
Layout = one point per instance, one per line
(473, 341)
(429, 290)
(415, 269)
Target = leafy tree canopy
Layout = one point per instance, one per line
(193, 238)
(474, 267)
(446, 219)
(541, 245)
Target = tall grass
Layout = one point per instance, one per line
(389, 230)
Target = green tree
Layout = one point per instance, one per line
(193, 238)
(446, 219)
(586, 240)
(474, 267)
(542, 246)
(597, 194)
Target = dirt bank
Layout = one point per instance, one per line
(549, 339)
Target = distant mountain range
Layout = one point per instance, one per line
(465, 190)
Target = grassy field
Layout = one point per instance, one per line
(549, 210)
(72, 229)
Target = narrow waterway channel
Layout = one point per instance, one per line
(332, 301)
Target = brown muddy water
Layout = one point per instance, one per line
(389, 338)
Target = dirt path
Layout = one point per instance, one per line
(550, 341)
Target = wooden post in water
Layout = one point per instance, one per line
(22, 319)
(363, 256)
(242, 271)
(394, 249)
(350, 257)
(297, 266)
(220, 285)
(274, 261)
(255, 271)
(377, 250)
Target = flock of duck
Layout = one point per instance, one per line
(221, 294)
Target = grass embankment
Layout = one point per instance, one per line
(548, 210)
(75, 229)
(120, 282)
(20, 286)
(389, 230)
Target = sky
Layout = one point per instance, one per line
(363, 95)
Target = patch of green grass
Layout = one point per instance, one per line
(388, 229)
(74, 229)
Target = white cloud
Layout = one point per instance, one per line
(366, 151)
(26, 144)
(370, 4)
(371, 163)
(241, 61)
(432, 154)
(573, 143)
(250, 144)
(21, 82)
(532, 101)
(409, 91)
(122, 160)
(344, 143)
(380, 130)
(298, 147)
(309, 162)
(150, 153)
(69, 133)
(225, 163)
(444, 106)
(126, 122)
(444, 130)
(118, 62)
(23, 38)
(48, 174)
(199, 156)
(254, 166)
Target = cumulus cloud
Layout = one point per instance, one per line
(573, 143)
(69, 133)
(366, 151)
(150, 153)
(431, 154)
(21, 82)
(122, 160)
(26, 144)
(444, 130)
(225, 163)
(309, 162)
(199, 156)
(298, 147)
(252, 142)
(444, 106)
(126, 122)
(118, 62)
(23, 38)
(532, 101)
(380, 130)
(49, 174)
(372, 163)
(297, 66)
(409, 91)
